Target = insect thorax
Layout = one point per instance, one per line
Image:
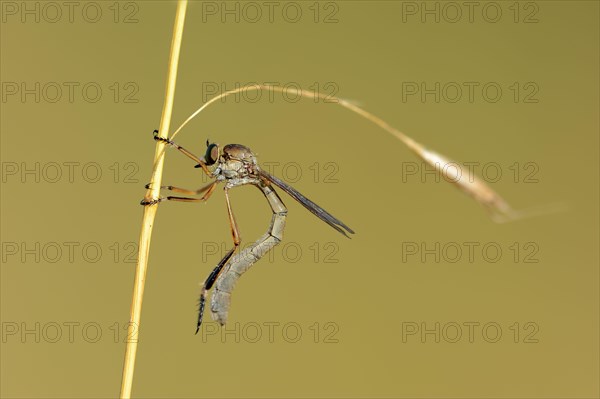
(237, 166)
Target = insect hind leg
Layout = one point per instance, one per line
(241, 262)
(207, 285)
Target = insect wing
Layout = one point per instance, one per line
(308, 204)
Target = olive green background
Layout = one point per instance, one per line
(371, 292)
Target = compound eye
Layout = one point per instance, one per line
(212, 154)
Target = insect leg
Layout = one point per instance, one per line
(242, 261)
(184, 190)
(183, 150)
(209, 190)
(208, 283)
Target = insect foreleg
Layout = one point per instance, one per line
(182, 150)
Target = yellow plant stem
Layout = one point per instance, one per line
(133, 329)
